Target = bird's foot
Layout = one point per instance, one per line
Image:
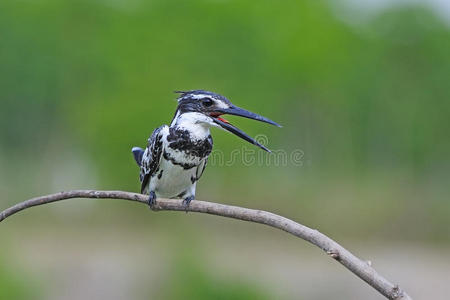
(187, 201)
(152, 200)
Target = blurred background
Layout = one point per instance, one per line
(361, 87)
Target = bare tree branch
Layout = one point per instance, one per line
(360, 268)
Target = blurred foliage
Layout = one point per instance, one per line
(190, 281)
(367, 104)
(15, 285)
(83, 81)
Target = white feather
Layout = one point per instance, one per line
(196, 123)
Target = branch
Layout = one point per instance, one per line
(359, 267)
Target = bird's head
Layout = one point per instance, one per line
(210, 107)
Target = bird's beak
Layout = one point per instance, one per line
(237, 111)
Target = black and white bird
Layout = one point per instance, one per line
(176, 155)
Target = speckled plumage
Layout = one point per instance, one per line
(176, 155)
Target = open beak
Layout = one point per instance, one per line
(237, 111)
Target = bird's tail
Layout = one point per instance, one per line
(137, 154)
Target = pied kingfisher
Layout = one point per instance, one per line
(176, 155)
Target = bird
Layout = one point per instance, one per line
(176, 156)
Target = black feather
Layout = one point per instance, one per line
(151, 158)
(137, 154)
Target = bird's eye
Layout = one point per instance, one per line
(207, 102)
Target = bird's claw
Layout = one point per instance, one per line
(152, 200)
(187, 202)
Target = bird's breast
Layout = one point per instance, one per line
(189, 145)
(176, 174)
(183, 152)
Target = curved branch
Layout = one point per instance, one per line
(360, 268)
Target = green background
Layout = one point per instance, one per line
(365, 100)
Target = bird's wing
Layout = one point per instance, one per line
(151, 157)
(200, 168)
